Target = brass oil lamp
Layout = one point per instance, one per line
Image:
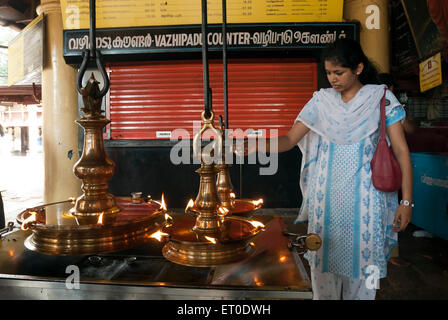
(208, 238)
(98, 222)
(207, 200)
(94, 167)
(227, 197)
(223, 182)
(224, 185)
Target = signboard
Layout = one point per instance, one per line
(425, 31)
(137, 13)
(404, 51)
(25, 54)
(131, 41)
(430, 73)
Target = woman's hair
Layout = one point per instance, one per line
(387, 79)
(348, 53)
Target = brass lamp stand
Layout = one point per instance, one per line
(96, 224)
(94, 168)
(208, 239)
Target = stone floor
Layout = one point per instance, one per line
(21, 182)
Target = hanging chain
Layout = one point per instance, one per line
(91, 55)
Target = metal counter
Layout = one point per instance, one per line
(272, 272)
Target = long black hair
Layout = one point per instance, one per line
(348, 53)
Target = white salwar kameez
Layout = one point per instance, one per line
(340, 203)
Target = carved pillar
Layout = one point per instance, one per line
(373, 16)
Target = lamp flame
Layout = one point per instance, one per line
(256, 224)
(223, 210)
(158, 235)
(232, 195)
(257, 202)
(100, 219)
(163, 204)
(190, 204)
(168, 218)
(31, 218)
(282, 258)
(212, 240)
(258, 283)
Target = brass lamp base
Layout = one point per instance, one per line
(67, 237)
(108, 216)
(241, 207)
(196, 249)
(245, 207)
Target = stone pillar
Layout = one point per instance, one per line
(60, 110)
(373, 16)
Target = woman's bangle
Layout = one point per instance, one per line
(407, 203)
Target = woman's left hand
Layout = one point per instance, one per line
(403, 216)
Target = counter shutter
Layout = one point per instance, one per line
(149, 100)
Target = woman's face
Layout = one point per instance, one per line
(341, 78)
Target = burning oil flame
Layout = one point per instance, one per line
(232, 195)
(223, 210)
(256, 224)
(212, 240)
(68, 214)
(168, 218)
(100, 219)
(163, 204)
(11, 253)
(158, 235)
(252, 244)
(257, 202)
(31, 218)
(258, 282)
(282, 259)
(190, 204)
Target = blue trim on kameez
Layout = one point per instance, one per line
(327, 211)
(357, 216)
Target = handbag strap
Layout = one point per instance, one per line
(383, 116)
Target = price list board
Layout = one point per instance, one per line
(139, 13)
(25, 53)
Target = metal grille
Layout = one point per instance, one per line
(149, 100)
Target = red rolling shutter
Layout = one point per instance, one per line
(148, 100)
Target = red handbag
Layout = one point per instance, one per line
(386, 172)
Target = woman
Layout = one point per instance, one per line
(337, 132)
